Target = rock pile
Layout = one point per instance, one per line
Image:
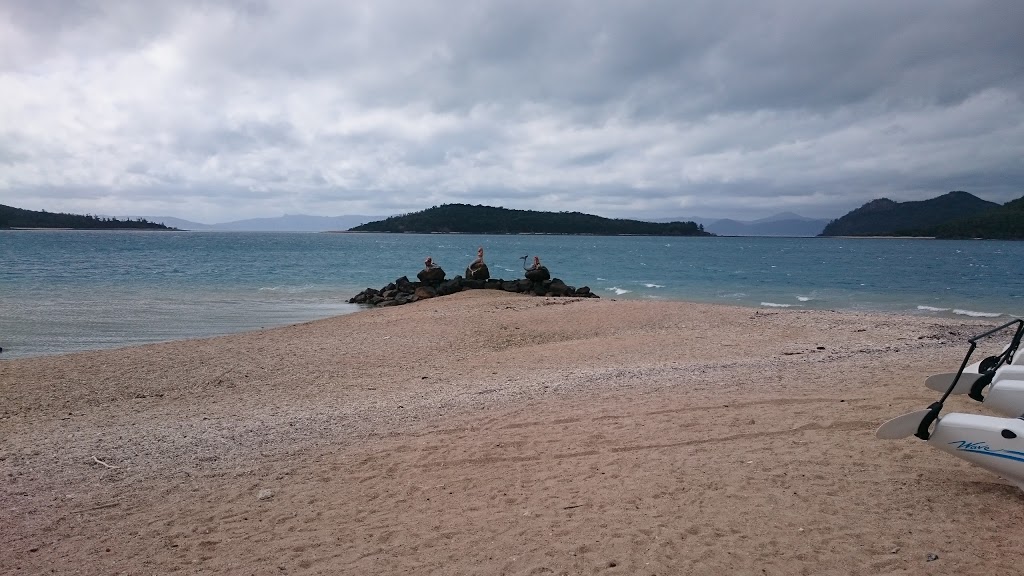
(402, 291)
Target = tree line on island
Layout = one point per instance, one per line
(11, 218)
(955, 215)
(469, 219)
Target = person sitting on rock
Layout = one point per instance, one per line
(429, 263)
(536, 263)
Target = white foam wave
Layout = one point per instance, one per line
(932, 309)
(774, 305)
(655, 285)
(618, 291)
(287, 289)
(974, 314)
(804, 298)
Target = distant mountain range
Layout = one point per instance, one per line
(468, 219)
(956, 214)
(286, 223)
(782, 224)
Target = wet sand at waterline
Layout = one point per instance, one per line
(493, 433)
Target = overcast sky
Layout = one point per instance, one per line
(220, 110)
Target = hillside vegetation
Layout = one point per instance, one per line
(11, 217)
(467, 219)
(1003, 223)
(884, 217)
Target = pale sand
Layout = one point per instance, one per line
(491, 433)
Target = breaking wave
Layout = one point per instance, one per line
(974, 314)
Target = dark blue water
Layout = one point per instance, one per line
(64, 291)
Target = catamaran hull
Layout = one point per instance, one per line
(1006, 393)
(993, 443)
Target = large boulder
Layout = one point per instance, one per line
(432, 275)
(538, 274)
(559, 288)
(478, 272)
(450, 287)
(424, 292)
(403, 285)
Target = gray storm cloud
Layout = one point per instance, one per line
(220, 110)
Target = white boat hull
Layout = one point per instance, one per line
(1006, 392)
(993, 443)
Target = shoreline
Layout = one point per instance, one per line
(492, 432)
(948, 313)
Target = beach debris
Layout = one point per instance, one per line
(265, 494)
(931, 557)
(105, 465)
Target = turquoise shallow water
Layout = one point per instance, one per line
(64, 291)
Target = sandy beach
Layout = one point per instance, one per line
(493, 433)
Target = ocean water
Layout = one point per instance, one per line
(66, 291)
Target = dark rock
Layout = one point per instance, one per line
(403, 285)
(424, 292)
(450, 287)
(931, 557)
(402, 291)
(538, 274)
(364, 296)
(431, 275)
(558, 288)
(478, 272)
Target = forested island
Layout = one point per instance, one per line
(14, 218)
(956, 214)
(468, 219)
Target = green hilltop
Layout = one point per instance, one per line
(468, 219)
(952, 215)
(1004, 222)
